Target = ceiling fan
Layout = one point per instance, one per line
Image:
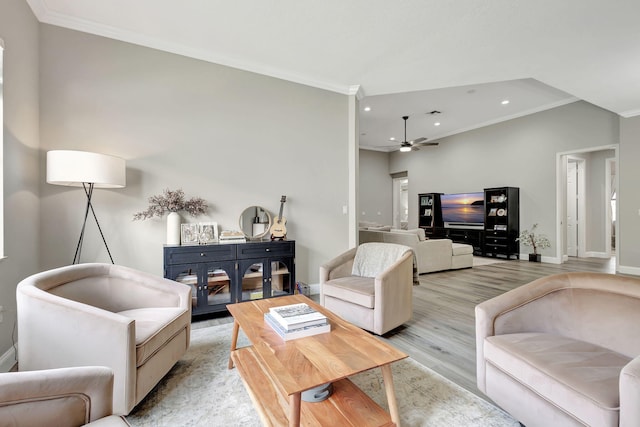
(413, 144)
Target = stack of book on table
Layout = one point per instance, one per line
(296, 321)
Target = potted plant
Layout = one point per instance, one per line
(539, 241)
(172, 202)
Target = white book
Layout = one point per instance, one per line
(287, 335)
(297, 315)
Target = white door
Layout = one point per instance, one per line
(572, 208)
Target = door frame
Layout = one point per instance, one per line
(397, 184)
(561, 196)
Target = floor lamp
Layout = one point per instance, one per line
(89, 171)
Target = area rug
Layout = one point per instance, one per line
(201, 391)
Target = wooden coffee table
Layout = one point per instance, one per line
(276, 372)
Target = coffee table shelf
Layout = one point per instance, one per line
(276, 372)
(347, 405)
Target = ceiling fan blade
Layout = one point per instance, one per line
(418, 140)
(428, 144)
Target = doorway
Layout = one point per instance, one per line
(575, 206)
(400, 209)
(586, 184)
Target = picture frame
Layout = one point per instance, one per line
(207, 232)
(189, 234)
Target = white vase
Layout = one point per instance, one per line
(173, 228)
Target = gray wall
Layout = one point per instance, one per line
(376, 188)
(519, 153)
(596, 201)
(19, 30)
(231, 137)
(629, 195)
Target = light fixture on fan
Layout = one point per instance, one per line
(405, 146)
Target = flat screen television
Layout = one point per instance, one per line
(463, 210)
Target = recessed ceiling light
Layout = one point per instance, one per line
(436, 124)
(392, 139)
(367, 108)
(505, 102)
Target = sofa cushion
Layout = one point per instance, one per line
(417, 231)
(154, 328)
(380, 228)
(355, 289)
(579, 377)
(461, 249)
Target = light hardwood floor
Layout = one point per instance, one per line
(441, 334)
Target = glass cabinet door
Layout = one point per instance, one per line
(253, 279)
(187, 275)
(217, 287)
(280, 279)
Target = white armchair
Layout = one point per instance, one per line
(370, 286)
(133, 322)
(66, 397)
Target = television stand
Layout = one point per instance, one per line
(470, 236)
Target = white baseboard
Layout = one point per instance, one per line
(597, 255)
(634, 271)
(547, 259)
(314, 288)
(8, 359)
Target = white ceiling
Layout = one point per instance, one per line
(588, 49)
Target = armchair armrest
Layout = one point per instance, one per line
(84, 336)
(340, 266)
(630, 394)
(394, 294)
(79, 395)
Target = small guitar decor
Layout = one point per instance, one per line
(278, 229)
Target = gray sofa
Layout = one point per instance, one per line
(431, 254)
(133, 322)
(563, 351)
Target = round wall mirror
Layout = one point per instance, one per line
(255, 222)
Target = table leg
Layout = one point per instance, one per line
(234, 341)
(387, 376)
(294, 409)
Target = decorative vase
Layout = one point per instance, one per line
(173, 228)
(535, 257)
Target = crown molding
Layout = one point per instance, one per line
(630, 113)
(47, 16)
(357, 91)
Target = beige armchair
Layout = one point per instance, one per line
(370, 286)
(135, 323)
(66, 397)
(563, 350)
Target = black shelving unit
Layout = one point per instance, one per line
(502, 222)
(430, 213)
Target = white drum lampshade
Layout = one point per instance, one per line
(87, 170)
(69, 167)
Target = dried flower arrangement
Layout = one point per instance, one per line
(172, 201)
(529, 238)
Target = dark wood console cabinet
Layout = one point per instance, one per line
(469, 236)
(221, 274)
